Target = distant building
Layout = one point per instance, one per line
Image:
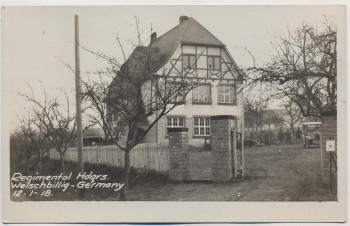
(92, 137)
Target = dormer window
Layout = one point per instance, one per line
(214, 62)
(188, 61)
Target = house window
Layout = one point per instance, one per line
(188, 61)
(175, 122)
(201, 94)
(214, 62)
(201, 126)
(227, 94)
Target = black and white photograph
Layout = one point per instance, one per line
(174, 105)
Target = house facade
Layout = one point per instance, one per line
(190, 49)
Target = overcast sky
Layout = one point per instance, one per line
(36, 39)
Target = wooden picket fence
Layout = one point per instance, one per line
(143, 156)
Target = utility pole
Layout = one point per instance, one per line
(78, 98)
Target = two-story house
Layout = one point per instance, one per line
(190, 48)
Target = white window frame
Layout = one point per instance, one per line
(196, 94)
(201, 128)
(224, 97)
(175, 122)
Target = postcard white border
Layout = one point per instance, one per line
(113, 211)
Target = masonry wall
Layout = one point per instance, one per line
(179, 162)
(328, 132)
(222, 151)
(221, 147)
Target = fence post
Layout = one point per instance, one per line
(234, 152)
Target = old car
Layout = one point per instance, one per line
(252, 143)
(311, 134)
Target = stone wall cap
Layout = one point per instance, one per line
(218, 117)
(170, 130)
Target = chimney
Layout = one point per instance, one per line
(153, 36)
(183, 19)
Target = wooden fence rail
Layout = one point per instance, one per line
(143, 156)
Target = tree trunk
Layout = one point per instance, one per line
(17, 162)
(39, 164)
(123, 194)
(26, 165)
(62, 164)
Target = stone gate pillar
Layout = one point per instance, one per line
(328, 132)
(221, 126)
(178, 154)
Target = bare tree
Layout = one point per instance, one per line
(22, 147)
(292, 114)
(33, 131)
(139, 96)
(55, 120)
(136, 99)
(303, 68)
(95, 92)
(15, 151)
(272, 118)
(254, 112)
